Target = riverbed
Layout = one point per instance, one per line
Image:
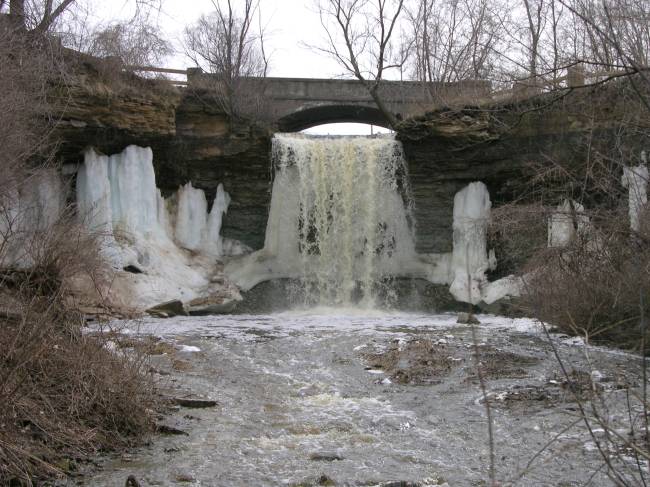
(365, 398)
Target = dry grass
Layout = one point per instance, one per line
(597, 289)
(67, 395)
(591, 288)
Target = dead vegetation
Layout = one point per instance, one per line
(65, 395)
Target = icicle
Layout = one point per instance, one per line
(566, 222)
(191, 217)
(636, 180)
(470, 257)
(212, 240)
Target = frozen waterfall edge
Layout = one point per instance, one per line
(173, 244)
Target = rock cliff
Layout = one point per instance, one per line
(193, 140)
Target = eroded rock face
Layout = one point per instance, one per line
(501, 144)
(192, 140)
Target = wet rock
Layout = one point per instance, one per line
(184, 477)
(325, 480)
(131, 481)
(165, 429)
(132, 269)
(194, 403)
(168, 309)
(160, 348)
(222, 301)
(320, 480)
(325, 457)
(467, 319)
(181, 365)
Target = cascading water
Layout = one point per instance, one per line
(343, 216)
(341, 226)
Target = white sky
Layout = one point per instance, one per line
(290, 25)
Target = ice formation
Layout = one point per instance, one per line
(470, 259)
(117, 198)
(191, 217)
(339, 219)
(566, 222)
(27, 213)
(213, 242)
(636, 180)
(195, 229)
(43, 203)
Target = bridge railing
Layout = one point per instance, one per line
(151, 69)
(576, 77)
(476, 90)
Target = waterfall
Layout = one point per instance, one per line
(341, 225)
(340, 214)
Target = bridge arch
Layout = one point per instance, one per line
(331, 113)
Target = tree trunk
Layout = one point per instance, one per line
(392, 120)
(17, 13)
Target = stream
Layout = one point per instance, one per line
(365, 398)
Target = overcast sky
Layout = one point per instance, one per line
(290, 26)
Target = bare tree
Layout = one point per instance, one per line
(36, 16)
(134, 43)
(536, 17)
(455, 39)
(360, 37)
(226, 44)
(41, 16)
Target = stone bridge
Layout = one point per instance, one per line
(294, 104)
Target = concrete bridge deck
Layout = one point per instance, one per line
(294, 104)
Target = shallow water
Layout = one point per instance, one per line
(298, 400)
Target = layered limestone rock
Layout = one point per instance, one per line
(445, 150)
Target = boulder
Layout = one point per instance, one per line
(194, 403)
(168, 309)
(467, 319)
(212, 305)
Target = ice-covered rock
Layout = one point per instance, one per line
(234, 248)
(470, 258)
(635, 179)
(26, 214)
(510, 286)
(191, 217)
(213, 242)
(568, 221)
(117, 198)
